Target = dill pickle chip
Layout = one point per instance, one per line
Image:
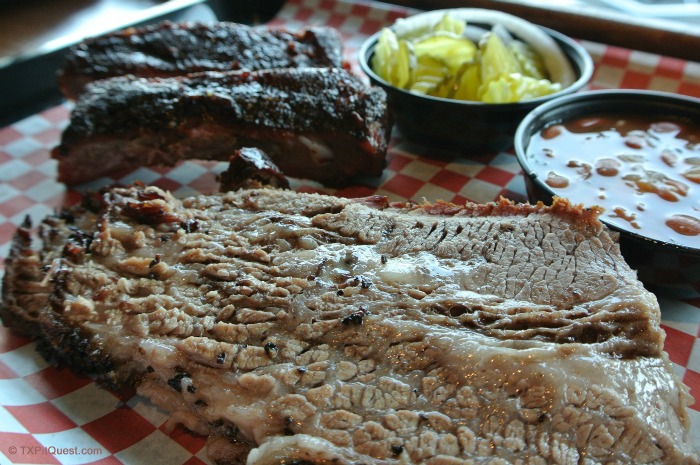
(384, 52)
(424, 87)
(447, 47)
(436, 58)
(497, 59)
(447, 88)
(530, 62)
(449, 23)
(392, 59)
(468, 84)
(403, 65)
(428, 74)
(502, 76)
(515, 87)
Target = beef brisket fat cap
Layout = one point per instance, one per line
(300, 328)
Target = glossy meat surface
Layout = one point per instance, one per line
(299, 328)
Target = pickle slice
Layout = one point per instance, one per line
(451, 49)
(449, 23)
(428, 75)
(530, 62)
(384, 53)
(392, 59)
(404, 63)
(469, 82)
(509, 88)
(496, 59)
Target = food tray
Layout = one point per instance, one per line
(50, 416)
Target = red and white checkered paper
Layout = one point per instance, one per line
(50, 416)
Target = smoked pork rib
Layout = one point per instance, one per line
(299, 328)
(317, 123)
(174, 49)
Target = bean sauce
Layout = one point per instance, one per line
(643, 171)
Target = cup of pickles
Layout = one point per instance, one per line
(462, 79)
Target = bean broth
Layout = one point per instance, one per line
(644, 171)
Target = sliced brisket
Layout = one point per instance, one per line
(299, 328)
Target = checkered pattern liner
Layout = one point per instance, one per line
(49, 416)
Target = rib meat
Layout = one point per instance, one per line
(174, 49)
(300, 328)
(318, 123)
(251, 168)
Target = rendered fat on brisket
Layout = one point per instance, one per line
(300, 328)
(317, 123)
(174, 49)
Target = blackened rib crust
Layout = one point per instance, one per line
(251, 168)
(175, 49)
(317, 123)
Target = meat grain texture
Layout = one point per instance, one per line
(300, 328)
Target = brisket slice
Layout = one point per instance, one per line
(174, 49)
(317, 123)
(300, 328)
